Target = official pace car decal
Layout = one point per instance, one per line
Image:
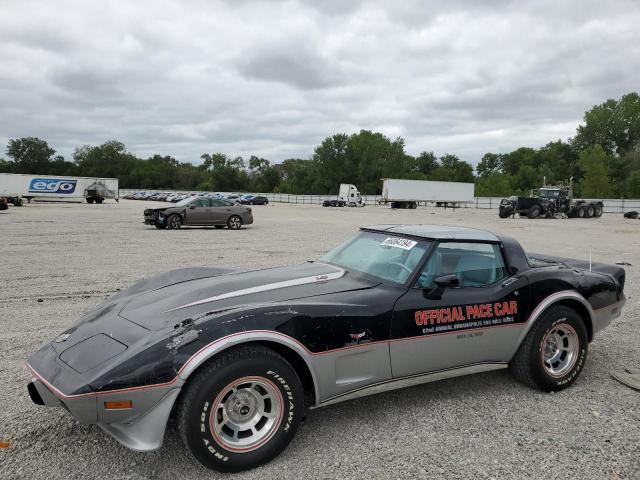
(464, 317)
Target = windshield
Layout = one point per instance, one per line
(549, 193)
(184, 202)
(385, 256)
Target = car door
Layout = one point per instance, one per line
(436, 327)
(199, 212)
(220, 211)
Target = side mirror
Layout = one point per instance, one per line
(191, 207)
(447, 281)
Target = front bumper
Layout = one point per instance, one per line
(140, 427)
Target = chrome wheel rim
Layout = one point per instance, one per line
(175, 222)
(246, 414)
(560, 350)
(235, 222)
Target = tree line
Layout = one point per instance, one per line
(603, 158)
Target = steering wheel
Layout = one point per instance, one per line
(402, 265)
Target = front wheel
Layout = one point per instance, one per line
(174, 222)
(241, 409)
(505, 211)
(554, 351)
(534, 211)
(234, 222)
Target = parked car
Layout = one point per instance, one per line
(237, 355)
(254, 200)
(199, 211)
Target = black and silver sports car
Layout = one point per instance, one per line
(238, 355)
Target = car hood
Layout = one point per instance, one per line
(166, 306)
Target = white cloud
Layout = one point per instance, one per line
(274, 78)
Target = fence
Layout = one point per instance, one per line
(611, 205)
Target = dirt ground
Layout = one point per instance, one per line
(59, 260)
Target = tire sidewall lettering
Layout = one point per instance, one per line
(570, 377)
(285, 427)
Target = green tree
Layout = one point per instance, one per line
(489, 165)
(452, 169)
(298, 176)
(494, 185)
(426, 163)
(30, 155)
(614, 124)
(594, 165)
(6, 167)
(110, 159)
(227, 174)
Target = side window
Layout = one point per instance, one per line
(475, 264)
(216, 203)
(201, 202)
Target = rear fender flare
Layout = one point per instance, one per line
(549, 301)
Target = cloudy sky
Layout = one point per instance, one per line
(274, 78)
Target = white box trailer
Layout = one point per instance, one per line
(58, 187)
(410, 193)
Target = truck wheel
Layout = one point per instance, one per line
(394, 205)
(413, 205)
(580, 212)
(234, 222)
(597, 211)
(534, 211)
(174, 222)
(588, 211)
(505, 212)
(99, 200)
(90, 200)
(554, 351)
(241, 409)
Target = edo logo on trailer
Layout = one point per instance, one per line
(52, 185)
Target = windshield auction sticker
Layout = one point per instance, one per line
(396, 242)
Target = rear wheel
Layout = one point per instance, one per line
(588, 211)
(534, 211)
(174, 222)
(234, 222)
(90, 200)
(554, 351)
(241, 409)
(580, 213)
(597, 211)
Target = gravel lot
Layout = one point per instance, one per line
(58, 260)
